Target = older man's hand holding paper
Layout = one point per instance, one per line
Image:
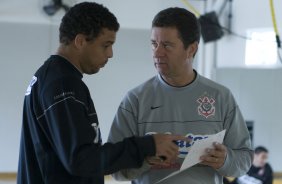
(215, 157)
(208, 151)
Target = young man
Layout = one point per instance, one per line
(260, 171)
(60, 141)
(180, 101)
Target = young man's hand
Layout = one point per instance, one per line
(166, 149)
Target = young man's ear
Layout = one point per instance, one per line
(192, 49)
(79, 40)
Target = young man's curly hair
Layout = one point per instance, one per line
(88, 18)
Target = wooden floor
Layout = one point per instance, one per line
(106, 182)
(277, 181)
(10, 179)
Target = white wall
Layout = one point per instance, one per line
(258, 93)
(19, 58)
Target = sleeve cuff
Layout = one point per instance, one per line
(223, 169)
(147, 143)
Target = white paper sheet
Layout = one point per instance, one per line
(197, 150)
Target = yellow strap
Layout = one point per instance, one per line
(194, 10)
(273, 17)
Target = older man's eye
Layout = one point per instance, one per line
(154, 45)
(167, 46)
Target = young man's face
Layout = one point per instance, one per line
(260, 159)
(95, 54)
(171, 59)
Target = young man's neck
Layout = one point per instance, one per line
(67, 53)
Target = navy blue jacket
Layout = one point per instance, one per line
(60, 139)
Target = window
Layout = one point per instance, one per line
(261, 49)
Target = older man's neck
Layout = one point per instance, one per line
(181, 80)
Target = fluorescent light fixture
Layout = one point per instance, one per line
(261, 48)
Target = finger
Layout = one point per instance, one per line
(207, 163)
(210, 159)
(179, 138)
(170, 156)
(174, 147)
(173, 153)
(216, 153)
(214, 165)
(171, 149)
(157, 161)
(162, 164)
(219, 146)
(165, 155)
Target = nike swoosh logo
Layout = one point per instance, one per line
(155, 107)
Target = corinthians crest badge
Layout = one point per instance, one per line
(206, 106)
